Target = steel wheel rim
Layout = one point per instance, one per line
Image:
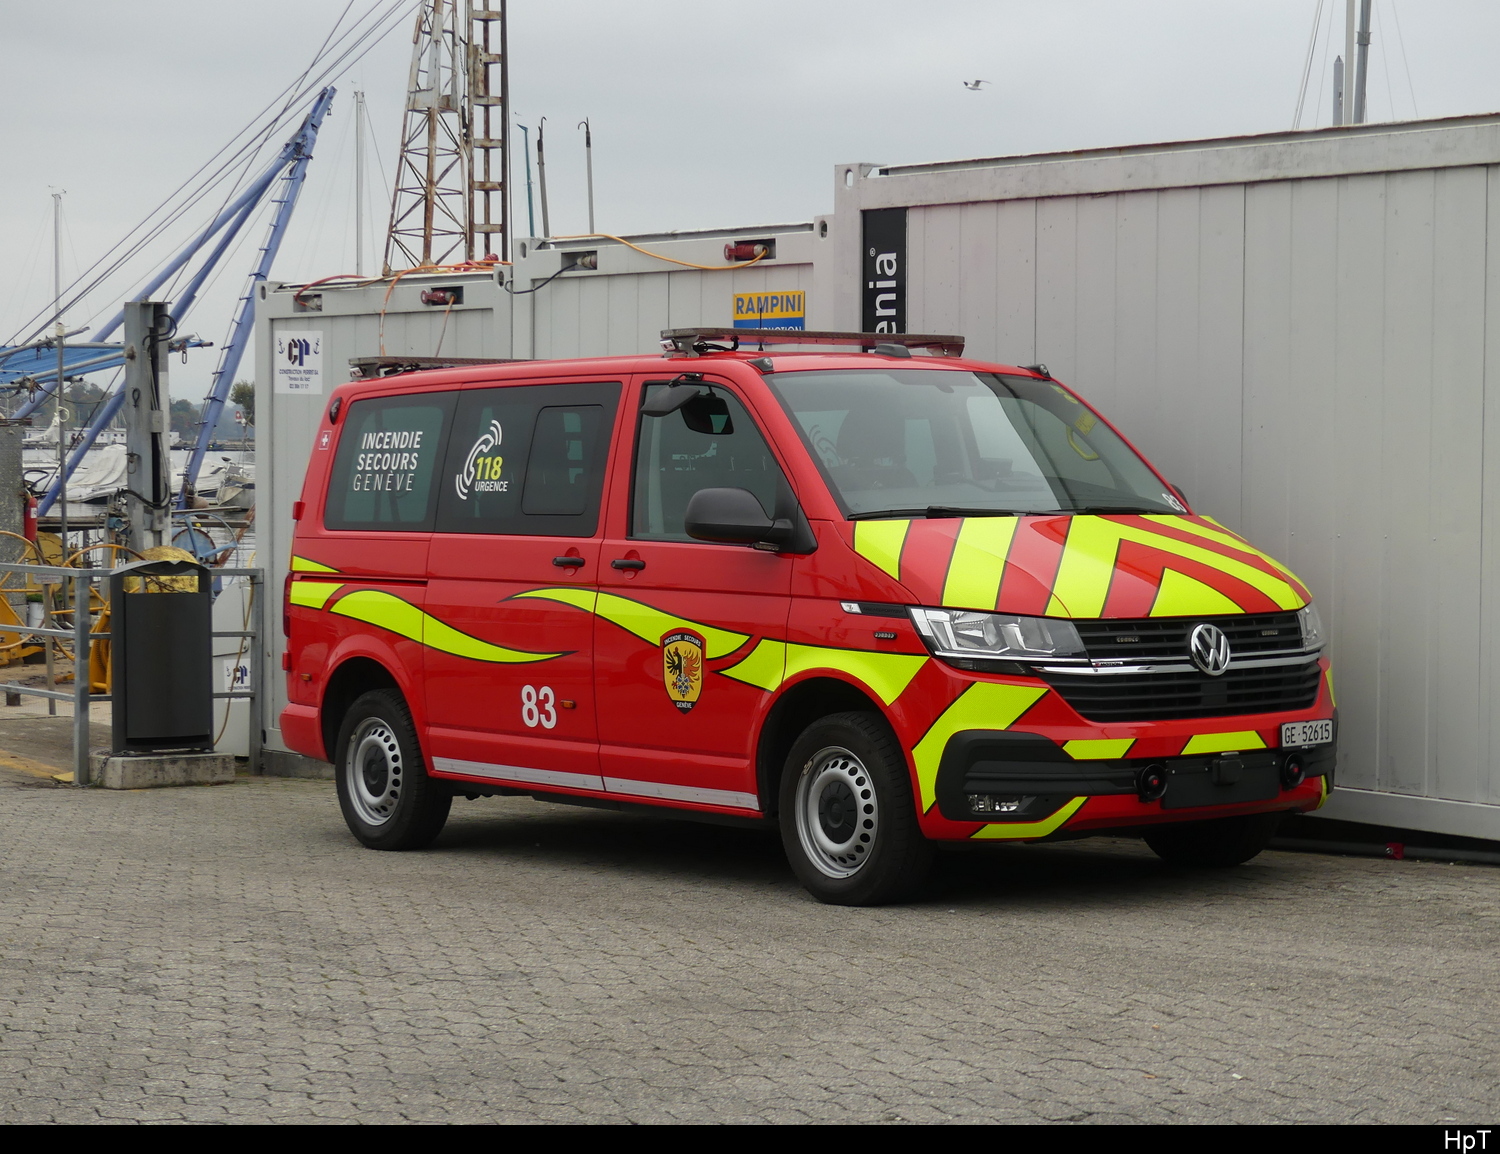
(837, 814)
(373, 771)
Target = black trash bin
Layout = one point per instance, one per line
(161, 657)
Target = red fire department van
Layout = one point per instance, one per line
(883, 600)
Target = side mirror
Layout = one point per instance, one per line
(701, 412)
(734, 516)
(669, 400)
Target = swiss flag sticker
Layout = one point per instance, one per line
(325, 438)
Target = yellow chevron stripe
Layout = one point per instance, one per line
(880, 542)
(1029, 829)
(646, 622)
(1225, 537)
(1182, 596)
(402, 617)
(304, 565)
(973, 580)
(1099, 749)
(1088, 564)
(313, 594)
(1222, 742)
(984, 705)
(772, 662)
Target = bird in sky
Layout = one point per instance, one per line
(973, 85)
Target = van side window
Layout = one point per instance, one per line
(672, 462)
(528, 460)
(386, 464)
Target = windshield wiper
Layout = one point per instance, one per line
(964, 511)
(1102, 510)
(936, 511)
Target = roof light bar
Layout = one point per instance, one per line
(695, 342)
(370, 368)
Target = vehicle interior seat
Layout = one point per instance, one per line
(871, 447)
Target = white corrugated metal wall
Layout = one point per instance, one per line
(1307, 358)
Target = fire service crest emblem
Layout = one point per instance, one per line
(682, 668)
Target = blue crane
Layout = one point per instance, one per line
(290, 168)
(244, 317)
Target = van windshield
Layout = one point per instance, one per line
(933, 442)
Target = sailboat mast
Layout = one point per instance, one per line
(359, 183)
(61, 391)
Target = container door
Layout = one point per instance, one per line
(513, 571)
(674, 614)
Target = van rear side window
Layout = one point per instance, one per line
(387, 462)
(528, 460)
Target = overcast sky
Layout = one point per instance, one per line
(705, 113)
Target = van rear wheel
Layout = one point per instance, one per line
(388, 800)
(848, 824)
(1226, 841)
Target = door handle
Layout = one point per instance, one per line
(567, 562)
(624, 563)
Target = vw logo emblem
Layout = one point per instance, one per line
(1209, 649)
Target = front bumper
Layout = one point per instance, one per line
(1001, 776)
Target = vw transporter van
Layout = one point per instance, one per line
(881, 600)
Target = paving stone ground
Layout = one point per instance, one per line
(229, 953)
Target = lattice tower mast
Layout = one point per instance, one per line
(489, 109)
(430, 202)
(451, 193)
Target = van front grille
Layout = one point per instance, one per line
(1171, 696)
(1154, 638)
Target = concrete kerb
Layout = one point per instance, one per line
(283, 763)
(150, 772)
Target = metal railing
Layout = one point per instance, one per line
(81, 634)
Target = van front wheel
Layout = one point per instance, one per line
(848, 824)
(388, 800)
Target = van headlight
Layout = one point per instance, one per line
(1001, 636)
(1312, 627)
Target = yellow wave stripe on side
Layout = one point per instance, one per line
(764, 668)
(1088, 564)
(1098, 749)
(402, 617)
(973, 580)
(645, 622)
(772, 662)
(1331, 699)
(1222, 742)
(304, 565)
(984, 705)
(1028, 829)
(880, 542)
(1323, 797)
(313, 594)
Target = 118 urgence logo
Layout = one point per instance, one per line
(483, 466)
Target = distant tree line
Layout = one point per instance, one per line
(83, 398)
